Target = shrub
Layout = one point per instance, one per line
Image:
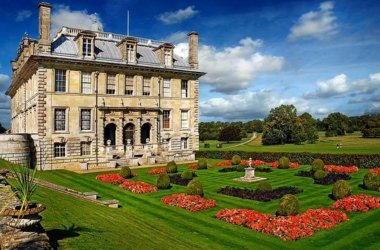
(317, 164)
(264, 186)
(371, 181)
(341, 189)
(236, 160)
(331, 178)
(187, 175)
(289, 205)
(284, 163)
(163, 181)
(320, 174)
(202, 163)
(241, 168)
(195, 188)
(172, 167)
(125, 172)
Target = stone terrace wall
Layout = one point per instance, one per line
(16, 148)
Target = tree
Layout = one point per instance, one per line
(336, 124)
(230, 133)
(309, 125)
(2, 129)
(283, 119)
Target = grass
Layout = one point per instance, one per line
(229, 145)
(352, 144)
(144, 222)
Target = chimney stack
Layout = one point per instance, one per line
(44, 26)
(193, 49)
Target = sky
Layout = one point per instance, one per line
(321, 56)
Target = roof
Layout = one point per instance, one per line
(64, 45)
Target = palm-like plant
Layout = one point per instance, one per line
(25, 185)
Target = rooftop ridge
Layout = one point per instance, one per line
(108, 36)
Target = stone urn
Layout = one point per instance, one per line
(23, 219)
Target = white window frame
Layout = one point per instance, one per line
(64, 120)
(130, 53)
(145, 85)
(166, 88)
(85, 148)
(185, 89)
(111, 91)
(60, 80)
(168, 57)
(168, 117)
(89, 120)
(184, 119)
(184, 143)
(128, 84)
(59, 149)
(86, 86)
(87, 47)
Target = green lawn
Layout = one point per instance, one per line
(352, 144)
(144, 222)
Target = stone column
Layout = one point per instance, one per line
(138, 132)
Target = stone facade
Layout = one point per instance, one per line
(91, 96)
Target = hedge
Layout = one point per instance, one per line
(305, 158)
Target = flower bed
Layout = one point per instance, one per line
(286, 227)
(192, 203)
(224, 163)
(259, 195)
(341, 169)
(233, 168)
(196, 167)
(176, 179)
(331, 178)
(375, 171)
(357, 203)
(273, 164)
(304, 173)
(114, 179)
(138, 187)
(157, 171)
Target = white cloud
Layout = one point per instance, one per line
(23, 15)
(322, 111)
(335, 86)
(4, 82)
(63, 16)
(177, 37)
(177, 16)
(319, 24)
(368, 85)
(233, 68)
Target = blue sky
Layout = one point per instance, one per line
(321, 56)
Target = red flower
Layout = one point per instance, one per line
(157, 171)
(341, 169)
(110, 178)
(138, 187)
(286, 227)
(375, 170)
(193, 167)
(357, 203)
(192, 203)
(223, 163)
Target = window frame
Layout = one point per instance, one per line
(146, 80)
(184, 91)
(168, 57)
(166, 89)
(131, 84)
(110, 91)
(166, 120)
(184, 143)
(59, 149)
(60, 120)
(85, 148)
(184, 121)
(131, 53)
(87, 47)
(60, 81)
(89, 75)
(89, 119)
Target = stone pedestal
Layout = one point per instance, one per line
(250, 176)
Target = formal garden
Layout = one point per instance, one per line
(201, 205)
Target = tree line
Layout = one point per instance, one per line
(283, 125)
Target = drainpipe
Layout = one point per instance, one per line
(96, 118)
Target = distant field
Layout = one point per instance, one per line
(351, 144)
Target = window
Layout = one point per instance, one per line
(166, 87)
(146, 87)
(85, 148)
(111, 85)
(87, 44)
(86, 83)
(130, 53)
(60, 80)
(85, 119)
(168, 58)
(184, 119)
(60, 119)
(59, 149)
(184, 89)
(129, 85)
(166, 119)
(184, 143)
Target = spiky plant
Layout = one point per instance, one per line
(25, 185)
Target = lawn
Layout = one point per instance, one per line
(144, 222)
(351, 144)
(229, 145)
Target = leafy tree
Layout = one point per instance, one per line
(230, 133)
(336, 124)
(309, 125)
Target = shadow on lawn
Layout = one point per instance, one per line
(56, 235)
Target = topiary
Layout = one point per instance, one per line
(341, 189)
(241, 168)
(195, 188)
(202, 163)
(371, 181)
(171, 167)
(317, 164)
(289, 205)
(187, 175)
(236, 160)
(163, 181)
(264, 186)
(320, 174)
(125, 172)
(283, 163)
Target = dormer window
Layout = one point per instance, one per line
(128, 49)
(165, 54)
(130, 53)
(168, 57)
(87, 47)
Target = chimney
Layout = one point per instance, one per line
(44, 26)
(193, 49)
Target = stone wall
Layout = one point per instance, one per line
(17, 148)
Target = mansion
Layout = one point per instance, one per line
(90, 99)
